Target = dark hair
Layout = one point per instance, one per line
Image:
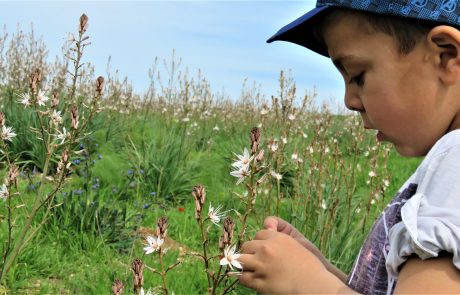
(406, 32)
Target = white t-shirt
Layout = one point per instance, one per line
(431, 217)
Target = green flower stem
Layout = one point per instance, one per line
(249, 205)
(217, 280)
(230, 287)
(163, 272)
(205, 252)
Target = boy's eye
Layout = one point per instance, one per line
(359, 79)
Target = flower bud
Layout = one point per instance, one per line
(162, 227)
(13, 173)
(117, 287)
(74, 117)
(260, 156)
(64, 162)
(262, 179)
(34, 80)
(54, 100)
(83, 24)
(199, 193)
(255, 139)
(227, 237)
(99, 85)
(138, 276)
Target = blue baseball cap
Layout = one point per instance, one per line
(301, 30)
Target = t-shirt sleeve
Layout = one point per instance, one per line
(431, 218)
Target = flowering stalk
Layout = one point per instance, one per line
(78, 49)
(154, 244)
(37, 98)
(251, 185)
(199, 194)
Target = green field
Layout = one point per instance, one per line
(133, 158)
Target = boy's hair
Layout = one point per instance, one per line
(406, 32)
(406, 20)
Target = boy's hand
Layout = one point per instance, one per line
(279, 225)
(282, 226)
(276, 263)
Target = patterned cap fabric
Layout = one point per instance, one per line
(300, 31)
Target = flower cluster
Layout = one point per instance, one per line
(242, 166)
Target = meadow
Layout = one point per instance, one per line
(105, 189)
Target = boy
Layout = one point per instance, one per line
(400, 61)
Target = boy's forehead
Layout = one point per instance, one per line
(302, 31)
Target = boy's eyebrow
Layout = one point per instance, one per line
(338, 61)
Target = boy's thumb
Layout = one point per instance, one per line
(271, 223)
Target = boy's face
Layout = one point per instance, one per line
(398, 95)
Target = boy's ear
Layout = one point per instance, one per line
(445, 41)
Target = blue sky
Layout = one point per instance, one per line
(225, 39)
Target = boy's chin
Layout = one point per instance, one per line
(410, 151)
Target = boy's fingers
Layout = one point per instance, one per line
(250, 247)
(264, 234)
(271, 223)
(249, 262)
(277, 224)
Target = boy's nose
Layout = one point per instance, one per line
(353, 101)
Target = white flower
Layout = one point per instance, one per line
(215, 214)
(61, 135)
(264, 111)
(386, 183)
(216, 128)
(7, 133)
(372, 174)
(231, 258)
(243, 160)
(4, 193)
(294, 157)
(242, 173)
(153, 244)
(284, 139)
(41, 98)
(323, 204)
(273, 146)
(186, 119)
(24, 99)
(275, 175)
(291, 117)
(56, 117)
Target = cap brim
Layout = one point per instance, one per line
(301, 31)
